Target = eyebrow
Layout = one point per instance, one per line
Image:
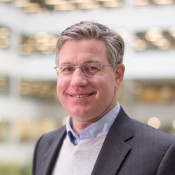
(92, 61)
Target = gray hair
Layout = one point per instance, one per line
(90, 29)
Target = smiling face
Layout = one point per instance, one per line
(87, 98)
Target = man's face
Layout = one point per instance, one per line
(87, 98)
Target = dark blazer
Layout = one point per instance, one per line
(130, 148)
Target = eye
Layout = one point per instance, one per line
(67, 68)
(91, 68)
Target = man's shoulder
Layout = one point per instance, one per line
(151, 136)
(144, 132)
(143, 128)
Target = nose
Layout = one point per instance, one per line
(78, 78)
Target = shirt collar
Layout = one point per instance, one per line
(97, 129)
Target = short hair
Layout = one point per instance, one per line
(94, 30)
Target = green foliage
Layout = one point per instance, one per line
(14, 169)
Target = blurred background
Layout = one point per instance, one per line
(29, 30)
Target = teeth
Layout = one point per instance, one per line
(81, 96)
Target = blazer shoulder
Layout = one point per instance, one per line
(143, 131)
(149, 130)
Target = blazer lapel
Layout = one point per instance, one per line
(50, 156)
(115, 149)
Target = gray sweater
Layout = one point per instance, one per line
(79, 159)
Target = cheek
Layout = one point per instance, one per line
(106, 85)
(108, 80)
(61, 86)
(111, 87)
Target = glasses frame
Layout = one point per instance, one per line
(57, 67)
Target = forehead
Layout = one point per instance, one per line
(93, 44)
(82, 50)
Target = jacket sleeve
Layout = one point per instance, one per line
(167, 166)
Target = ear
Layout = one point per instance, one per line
(119, 74)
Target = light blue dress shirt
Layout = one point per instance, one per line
(97, 129)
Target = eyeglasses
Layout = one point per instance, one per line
(88, 69)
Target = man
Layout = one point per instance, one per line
(99, 138)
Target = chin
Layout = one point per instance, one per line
(79, 113)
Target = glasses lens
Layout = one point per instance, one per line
(66, 69)
(91, 68)
(87, 69)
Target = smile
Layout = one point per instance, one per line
(81, 95)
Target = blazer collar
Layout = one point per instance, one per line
(115, 147)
